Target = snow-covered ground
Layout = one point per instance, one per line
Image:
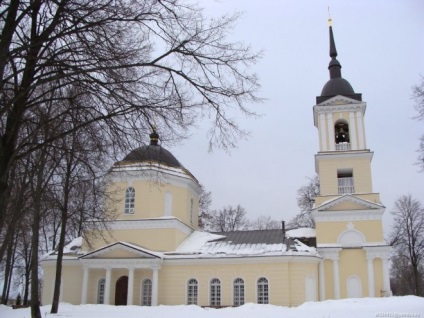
(407, 306)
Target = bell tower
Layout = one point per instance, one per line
(347, 213)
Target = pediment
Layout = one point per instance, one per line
(120, 250)
(339, 100)
(348, 202)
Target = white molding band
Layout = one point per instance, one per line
(165, 223)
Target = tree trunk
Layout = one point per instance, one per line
(35, 296)
(58, 279)
(7, 274)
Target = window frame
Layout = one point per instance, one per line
(146, 296)
(215, 292)
(129, 201)
(262, 287)
(238, 292)
(192, 291)
(101, 284)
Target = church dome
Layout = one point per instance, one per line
(337, 86)
(153, 153)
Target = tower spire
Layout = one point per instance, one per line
(334, 67)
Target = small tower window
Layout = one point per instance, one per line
(129, 200)
(345, 181)
(341, 135)
(191, 211)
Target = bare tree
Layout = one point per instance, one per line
(407, 237)
(418, 96)
(229, 219)
(205, 201)
(305, 201)
(264, 223)
(124, 64)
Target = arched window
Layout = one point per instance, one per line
(341, 135)
(263, 296)
(192, 292)
(238, 292)
(101, 291)
(129, 200)
(215, 294)
(146, 292)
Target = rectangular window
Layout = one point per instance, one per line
(345, 181)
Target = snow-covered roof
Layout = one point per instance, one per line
(73, 248)
(302, 232)
(240, 243)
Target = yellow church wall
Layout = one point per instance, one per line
(71, 282)
(328, 232)
(353, 263)
(152, 239)
(150, 200)
(286, 281)
(327, 170)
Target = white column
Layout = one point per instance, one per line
(331, 136)
(371, 287)
(386, 277)
(323, 132)
(361, 132)
(84, 286)
(336, 278)
(107, 286)
(130, 293)
(155, 287)
(321, 280)
(352, 131)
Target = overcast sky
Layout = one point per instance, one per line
(381, 49)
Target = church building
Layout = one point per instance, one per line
(153, 253)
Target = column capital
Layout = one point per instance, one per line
(332, 253)
(382, 252)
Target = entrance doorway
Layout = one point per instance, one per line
(121, 291)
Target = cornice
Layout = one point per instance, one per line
(347, 215)
(240, 260)
(165, 223)
(344, 154)
(154, 173)
(111, 263)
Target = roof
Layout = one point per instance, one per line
(242, 243)
(336, 85)
(152, 153)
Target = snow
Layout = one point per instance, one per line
(406, 306)
(196, 241)
(302, 232)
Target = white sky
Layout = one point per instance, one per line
(381, 51)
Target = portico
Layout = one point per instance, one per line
(117, 259)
